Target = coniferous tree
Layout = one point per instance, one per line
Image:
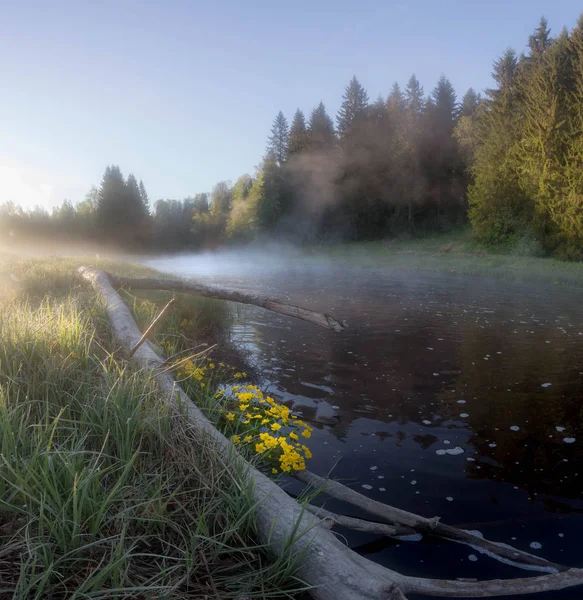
(353, 110)
(298, 134)
(321, 129)
(144, 197)
(279, 139)
(498, 206)
(395, 102)
(111, 215)
(470, 103)
(272, 202)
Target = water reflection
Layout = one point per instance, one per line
(437, 399)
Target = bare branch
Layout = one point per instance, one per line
(432, 526)
(151, 327)
(190, 287)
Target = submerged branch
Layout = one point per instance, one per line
(432, 526)
(331, 519)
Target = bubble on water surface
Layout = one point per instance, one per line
(514, 428)
(536, 545)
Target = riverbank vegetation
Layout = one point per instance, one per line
(105, 491)
(510, 163)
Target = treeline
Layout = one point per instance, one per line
(525, 145)
(405, 163)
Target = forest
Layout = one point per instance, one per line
(508, 161)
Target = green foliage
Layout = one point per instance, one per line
(321, 129)
(277, 144)
(274, 196)
(511, 162)
(122, 216)
(298, 134)
(353, 110)
(105, 490)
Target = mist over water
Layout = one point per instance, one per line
(451, 396)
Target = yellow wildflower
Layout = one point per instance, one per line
(260, 448)
(247, 439)
(236, 439)
(275, 426)
(212, 365)
(274, 471)
(307, 433)
(293, 436)
(230, 416)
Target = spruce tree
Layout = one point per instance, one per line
(498, 206)
(540, 41)
(279, 139)
(395, 101)
(272, 202)
(144, 197)
(414, 101)
(353, 109)
(470, 103)
(321, 129)
(111, 215)
(298, 134)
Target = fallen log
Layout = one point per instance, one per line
(334, 571)
(431, 526)
(198, 289)
(330, 519)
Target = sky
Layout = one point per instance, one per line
(183, 93)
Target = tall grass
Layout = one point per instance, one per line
(105, 490)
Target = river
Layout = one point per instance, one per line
(452, 396)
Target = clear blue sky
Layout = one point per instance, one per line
(183, 93)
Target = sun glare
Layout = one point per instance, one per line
(24, 187)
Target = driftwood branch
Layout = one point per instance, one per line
(334, 571)
(330, 519)
(431, 526)
(151, 327)
(189, 287)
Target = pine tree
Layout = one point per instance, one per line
(279, 139)
(321, 129)
(353, 109)
(298, 134)
(470, 103)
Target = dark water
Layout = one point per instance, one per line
(490, 370)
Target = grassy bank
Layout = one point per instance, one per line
(455, 253)
(105, 492)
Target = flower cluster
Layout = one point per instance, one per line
(261, 425)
